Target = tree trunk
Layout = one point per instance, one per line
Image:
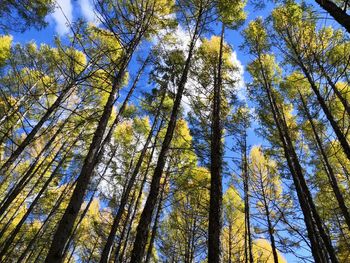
(215, 209)
(247, 245)
(138, 199)
(316, 249)
(35, 130)
(329, 170)
(108, 246)
(32, 205)
(336, 12)
(33, 241)
(65, 226)
(16, 190)
(156, 220)
(269, 224)
(146, 216)
(340, 135)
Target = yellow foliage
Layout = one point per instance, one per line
(5, 48)
(262, 252)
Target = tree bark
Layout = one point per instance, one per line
(156, 220)
(215, 208)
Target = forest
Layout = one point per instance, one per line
(171, 131)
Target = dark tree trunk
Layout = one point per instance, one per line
(33, 204)
(316, 248)
(146, 216)
(248, 244)
(269, 223)
(156, 221)
(336, 12)
(336, 91)
(108, 246)
(215, 208)
(329, 170)
(16, 190)
(340, 135)
(138, 199)
(65, 226)
(33, 241)
(35, 130)
(125, 227)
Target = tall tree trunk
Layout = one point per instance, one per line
(138, 199)
(340, 135)
(125, 227)
(336, 12)
(108, 246)
(65, 226)
(33, 169)
(215, 208)
(33, 241)
(329, 170)
(336, 91)
(146, 216)
(156, 220)
(269, 223)
(248, 244)
(316, 248)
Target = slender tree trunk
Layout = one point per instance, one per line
(33, 241)
(138, 199)
(269, 223)
(16, 190)
(336, 91)
(340, 135)
(247, 245)
(156, 220)
(316, 249)
(215, 208)
(146, 216)
(65, 226)
(108, 246)
(35, 130)
(305, 190)
(329, 170)
(125, 227)
(33, 204)
(336, 12)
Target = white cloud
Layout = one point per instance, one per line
(87, 10)
(239, 75)
(63, 15)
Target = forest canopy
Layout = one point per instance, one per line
(174, 131)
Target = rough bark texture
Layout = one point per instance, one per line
(215, 209)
